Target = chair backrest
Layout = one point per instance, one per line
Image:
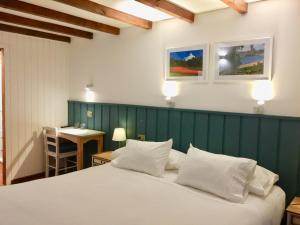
(51, 138)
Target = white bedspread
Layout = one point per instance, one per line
(105, 195)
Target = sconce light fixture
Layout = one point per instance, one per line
(89, 93)
(170, 90)
(262, 92)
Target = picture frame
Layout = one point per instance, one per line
(187, 63)
(244, 60)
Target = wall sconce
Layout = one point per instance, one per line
(89, 93)
(262, 92)
(170, 90)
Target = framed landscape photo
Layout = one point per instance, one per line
(244, 60)
(187, 63)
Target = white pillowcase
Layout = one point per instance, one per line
(116, 153)
(146, 157)
(176, 159)
(222, 175)
(262, 181)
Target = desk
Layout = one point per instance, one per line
(80, 137)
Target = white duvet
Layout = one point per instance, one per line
(105, 195)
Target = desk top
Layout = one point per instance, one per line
(79, 132)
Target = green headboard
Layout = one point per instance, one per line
(273, 141)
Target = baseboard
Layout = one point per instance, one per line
(28, 178)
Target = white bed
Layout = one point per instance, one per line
(105, 195)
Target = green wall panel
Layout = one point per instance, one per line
(90, 120)
(271, 140)
(98, 117)
(187, 130)
(249, 137)
(231, 142)
(141, 121)
(174, 128)
(201, 131)
(131, 123)
(162, 125)
(151, 127)
(215, 138)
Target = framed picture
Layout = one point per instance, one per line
(244, 60)
(187, 63)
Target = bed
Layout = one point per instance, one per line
(106, 195)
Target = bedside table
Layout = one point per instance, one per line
(101, 158)
(293, 212)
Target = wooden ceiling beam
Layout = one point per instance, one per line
(103, 10)
(170, 8)
(240, 6)
(10, 18)
(34, 33)
(55, 15)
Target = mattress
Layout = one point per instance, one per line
(105, 195)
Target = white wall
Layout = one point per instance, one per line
(36, 72)
(129, 68)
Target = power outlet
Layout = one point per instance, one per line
(141, 137)
(89, 114)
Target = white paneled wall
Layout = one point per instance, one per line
(37, 90)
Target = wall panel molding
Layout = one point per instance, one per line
(274, 141)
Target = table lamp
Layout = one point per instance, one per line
(119, 135)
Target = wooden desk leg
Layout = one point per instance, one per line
(100, 144)
(80, 155)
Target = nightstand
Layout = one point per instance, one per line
(293, 212)
(101, 158)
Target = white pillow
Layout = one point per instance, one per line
(176, 158)
(222, 175)
(146, 157)
(262, 181)
(116, 153)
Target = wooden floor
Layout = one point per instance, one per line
(1, 179)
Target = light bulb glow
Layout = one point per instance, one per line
(262, 91)
(170, 89)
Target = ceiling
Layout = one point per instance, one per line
(128, 6)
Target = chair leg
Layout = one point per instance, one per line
(47, 166)
(56, 166)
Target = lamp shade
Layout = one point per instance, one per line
(119, 134)
(262, 91)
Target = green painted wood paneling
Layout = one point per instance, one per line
(83, 111)
(249, 137)
(201, 131)
(174, 128)
(105, 126)
(90, 120)
(215, 135)
(231, 142)
(151, 124)
(273, 141)
(141, 121)
(162, 125)
(131, 123)
(123, 117)
(98, 117)
(113, 123)
(269, 131)
(187, 130)
(70, 114)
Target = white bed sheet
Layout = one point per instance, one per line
(105, 195)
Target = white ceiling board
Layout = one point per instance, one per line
(76, 12)
(200, 6)
(128, 6)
